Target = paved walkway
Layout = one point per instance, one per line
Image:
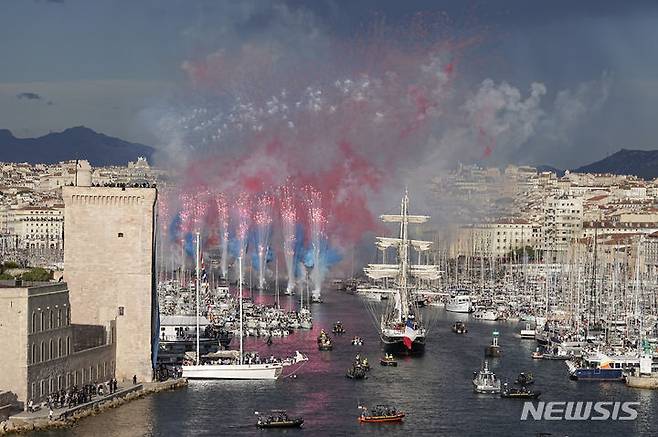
(67, 411)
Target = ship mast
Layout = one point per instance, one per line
(404, 256)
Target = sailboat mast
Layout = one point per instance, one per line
(198, 286)
(240, 300)
(404, 255)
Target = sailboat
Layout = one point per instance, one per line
(401, 326)
(235, 367)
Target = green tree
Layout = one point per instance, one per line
(37, 274)
(5, 276)
(10, 265)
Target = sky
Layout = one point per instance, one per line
(562, 83)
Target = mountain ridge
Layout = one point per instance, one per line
(77, 142)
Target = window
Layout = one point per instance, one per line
(51, 313)
(43, 387)
(34, 322)
(60, 347)
(59, 317)
(43, 352)
(35, 358)
(68, 316)
(68, 345)
(51, 350)
(121, 311)
(42, 327)
(120, 235)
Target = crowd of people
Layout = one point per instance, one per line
(76, 395)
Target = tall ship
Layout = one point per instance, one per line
(401, 326)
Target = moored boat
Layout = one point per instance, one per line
(601, 367)
(461, 303)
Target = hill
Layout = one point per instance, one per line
(73, 143)
(641, 163)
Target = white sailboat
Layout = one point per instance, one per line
(401, 326)
(235, 368)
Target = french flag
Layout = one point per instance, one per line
(409, 334)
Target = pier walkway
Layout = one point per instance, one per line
(65, 412)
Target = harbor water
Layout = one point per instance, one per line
(434, 390)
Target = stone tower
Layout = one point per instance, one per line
(109, 265)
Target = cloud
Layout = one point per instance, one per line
(28, 96)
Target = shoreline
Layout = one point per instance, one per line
(17, 425)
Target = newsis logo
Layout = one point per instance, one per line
(579, 410)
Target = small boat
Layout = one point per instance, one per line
(324, 342)
(557, 354)
(537, 354)
(487, 314)
(460, 303)
(528, 333)
(380, 414)
(357, 341)
(459, 327)
(493, 350)
(362, 362)
(485, 381)
(519, 393)
(388, 360)
(524, 379)
(338, 328)
(278, 419)
(356, 372)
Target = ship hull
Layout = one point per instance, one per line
(395, 345)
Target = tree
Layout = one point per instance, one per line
(37, 274)
(5, 276)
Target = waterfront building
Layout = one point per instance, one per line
(43, 351)
(109, 264)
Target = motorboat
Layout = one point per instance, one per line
(357, 341)
(278, 419)
(381, 414)
(486, 314)
(460, 303)
(338, 328)
(537, 354)
(388, 360)
(325, 343)
(524, 379)
(459, 327)
(493, 350)
(485, 381)
(522, 392)
(356, 372)
(528, 333)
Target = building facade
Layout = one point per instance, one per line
(45, 352)
(109, 263)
